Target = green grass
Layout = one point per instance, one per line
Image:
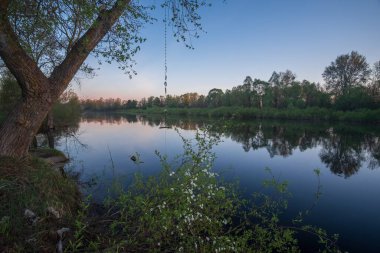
(33, 184)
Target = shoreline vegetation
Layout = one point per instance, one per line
(36, 201)
(186, 208)
(182, 209)
(351, 92)
(241, 113)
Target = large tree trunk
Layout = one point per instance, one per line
(21, 125)
(39, 92)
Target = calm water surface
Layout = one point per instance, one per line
(347, 155)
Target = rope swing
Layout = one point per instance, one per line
(166, 9)
(165, 47)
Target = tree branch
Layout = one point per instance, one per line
(64, 73)
(21, 65)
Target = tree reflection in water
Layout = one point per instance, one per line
(372, 148)
(342, 153)
(66, 129)
(344, 149)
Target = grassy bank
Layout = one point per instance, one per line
(314, 114)
(32, 184)
(186, 208)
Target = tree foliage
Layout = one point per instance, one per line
(375, 80)
(254, 93)
(282, 78)
(214, 97)
(283, 90)
(48, 30)
(45, 43)
(347, 71)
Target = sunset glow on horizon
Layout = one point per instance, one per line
(244, 38)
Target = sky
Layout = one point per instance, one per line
(245, 38)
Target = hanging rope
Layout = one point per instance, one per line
(165, 50)
(166, 15)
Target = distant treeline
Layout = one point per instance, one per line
(350, 84)
(108, 104)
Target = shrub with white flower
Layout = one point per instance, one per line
(188, 209)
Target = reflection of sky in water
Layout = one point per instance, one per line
(349, 206)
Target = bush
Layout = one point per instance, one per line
(189, 209)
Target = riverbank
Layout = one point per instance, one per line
(184, 208)
(36, 203)
(311, 114)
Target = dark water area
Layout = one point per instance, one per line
(347, 155)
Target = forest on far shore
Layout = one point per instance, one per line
(350, 84)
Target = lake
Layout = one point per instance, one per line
(347, 155)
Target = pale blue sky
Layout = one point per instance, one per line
(247, 37)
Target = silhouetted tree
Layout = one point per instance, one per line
(347, 71)
(259, 88)
(214, 97)
(375, 80)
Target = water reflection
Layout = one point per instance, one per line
(343, 149)
(109, 118)
(291, 149)
(49, 138)
(342, 155)
(372, 147)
